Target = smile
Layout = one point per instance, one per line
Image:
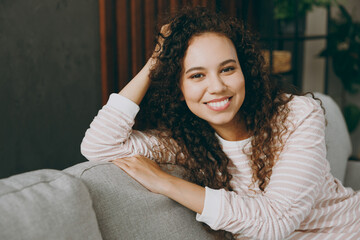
(219, 105)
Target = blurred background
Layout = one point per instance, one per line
(61, 59)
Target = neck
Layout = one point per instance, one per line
(235, 131)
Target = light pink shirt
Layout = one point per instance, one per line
(302, 200)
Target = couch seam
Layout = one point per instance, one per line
(29, 186)
(88, 168)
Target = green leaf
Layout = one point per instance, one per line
(345, 14)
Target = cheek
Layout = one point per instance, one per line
(190, 92)
(240, 85)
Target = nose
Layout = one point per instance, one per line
(216, 84)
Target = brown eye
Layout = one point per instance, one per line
(198, 75)
(227, 69)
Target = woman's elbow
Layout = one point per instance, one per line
(86, 152)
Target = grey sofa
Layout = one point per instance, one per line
(91, 200)
(96, 200)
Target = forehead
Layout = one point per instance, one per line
(209, 48)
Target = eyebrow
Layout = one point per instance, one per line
(202, 68)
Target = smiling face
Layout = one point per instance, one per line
(212, 82)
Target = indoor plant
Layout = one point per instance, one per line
(287, 10)
(344, 48)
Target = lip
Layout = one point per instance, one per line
(219, 104)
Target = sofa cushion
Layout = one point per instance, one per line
(352, 178)
(46, 204)
(127, 210)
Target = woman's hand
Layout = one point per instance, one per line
(150, 175)
(144, 171)
(164, 32)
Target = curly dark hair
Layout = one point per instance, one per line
(264, 108)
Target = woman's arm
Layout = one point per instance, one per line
(135, 90)
(110, 135)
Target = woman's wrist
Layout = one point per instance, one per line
(168, 183)
(136, 89)
(186, 193)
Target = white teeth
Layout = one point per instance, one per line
(218, 104)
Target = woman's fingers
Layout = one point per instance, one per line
(127, 164)
(164, 32)
(119, 162)
(143, 170)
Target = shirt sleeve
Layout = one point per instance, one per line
(294, 185)
(110, 135)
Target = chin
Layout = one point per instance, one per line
(220, 122)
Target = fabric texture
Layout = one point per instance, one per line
(46, 204)
(126, 210)
(302, 200)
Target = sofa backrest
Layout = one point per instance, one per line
(127, 210)
(337, 137)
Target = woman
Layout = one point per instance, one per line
(255, 156)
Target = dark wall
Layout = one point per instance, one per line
(49, 81)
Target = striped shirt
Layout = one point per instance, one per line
(302, 200)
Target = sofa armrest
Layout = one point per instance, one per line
(352, 177)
